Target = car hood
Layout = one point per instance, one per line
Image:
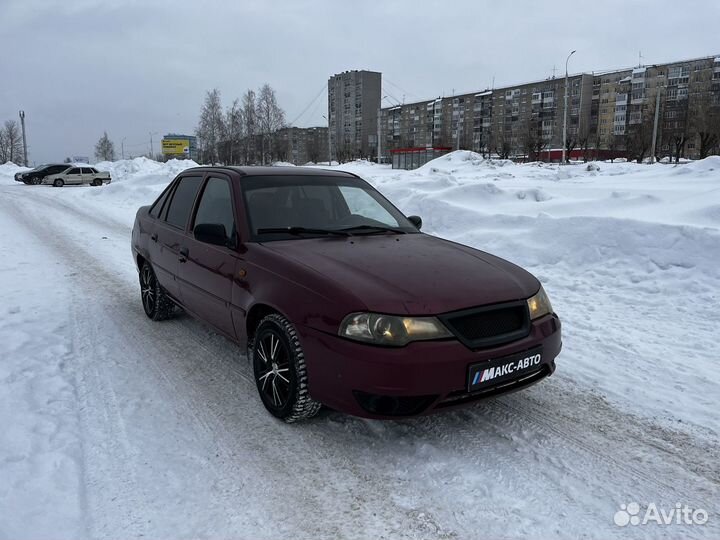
(414, 274)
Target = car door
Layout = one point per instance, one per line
(73, 176)
(207, 273)
(87, 175)
(169, 233)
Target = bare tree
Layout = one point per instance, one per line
(210, 127)
(105, 149)
(271, 118)
(533, 141)
(570, 144)
(11, 148)
(704, 123)
(232, 134)
(250, 127)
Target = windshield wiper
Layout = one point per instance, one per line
(301, 230)
(372, 229)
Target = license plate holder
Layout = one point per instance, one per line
(492, 372)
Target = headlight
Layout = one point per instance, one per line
(390, 329)
(539, 304)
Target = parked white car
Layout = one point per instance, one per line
(78, 175)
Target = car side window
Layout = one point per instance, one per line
(74, 171)
(216, 205)
(158, 205)
(56, 170)
(86, 170)
(182, 201)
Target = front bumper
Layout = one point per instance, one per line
(380, 382)
(19, 178)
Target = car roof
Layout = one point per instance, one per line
(275, 171)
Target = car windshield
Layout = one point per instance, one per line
(282, 207)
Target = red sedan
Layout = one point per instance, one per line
(338, 297)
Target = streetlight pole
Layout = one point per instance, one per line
(122, 147)
(655, 124)
(152, 150)
(329, 141)
(564, 147)
(22, 125)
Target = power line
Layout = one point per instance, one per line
(405, 92)
(309, 104)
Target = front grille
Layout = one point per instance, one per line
(489, 326)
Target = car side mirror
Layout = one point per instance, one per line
(211, 233)
(416, 220)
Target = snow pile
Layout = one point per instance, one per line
(8, 170)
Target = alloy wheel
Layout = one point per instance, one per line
(147, 289)
(273, 369)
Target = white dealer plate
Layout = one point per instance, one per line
(495, 371)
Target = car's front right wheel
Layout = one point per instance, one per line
(280, 372)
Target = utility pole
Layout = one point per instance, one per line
(379, 151)
(152, 150)
(22, 127)
(564, 141)
(655, 124)
(329, 141)
(122, 147)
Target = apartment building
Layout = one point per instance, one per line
(353, 105)
(609, 113)
(304, 145)
(513, 121)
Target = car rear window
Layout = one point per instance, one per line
(182, 201)
(87, 170)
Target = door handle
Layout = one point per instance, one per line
(153, 237)
(184, 252)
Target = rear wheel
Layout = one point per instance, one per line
(155, 301)
(280, 371)
(58, 183)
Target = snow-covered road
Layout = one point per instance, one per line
(120, 427)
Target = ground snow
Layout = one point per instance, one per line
(628, 254)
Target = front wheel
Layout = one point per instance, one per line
(58, 183)
(155, 301)
(36, 180)
(280, 371)
(97, 182)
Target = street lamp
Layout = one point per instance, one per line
(152, 150)
(566, 107)
(329, 142)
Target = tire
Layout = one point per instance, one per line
(36, 180)
(58, 183)
(97, 182)
(280, 372)
(156, 303)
